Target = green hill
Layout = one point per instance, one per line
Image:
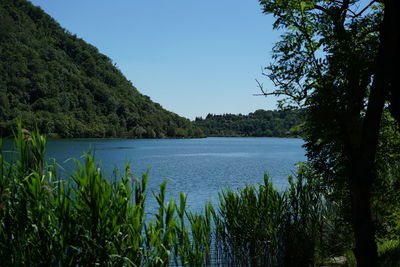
(52, 79)
(282, 123)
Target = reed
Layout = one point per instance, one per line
(85, 218)
(88, 218)
(263, 227)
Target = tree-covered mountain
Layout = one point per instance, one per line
(280, 123)
(55, 80)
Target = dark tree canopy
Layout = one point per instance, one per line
(337, 60)
(55, 80)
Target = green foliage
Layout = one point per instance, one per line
(264, 227)
(88, 218)
(332, 61)
(385, 206)
(389, 253)
(259, 123)
(249, 226)
(54, 80)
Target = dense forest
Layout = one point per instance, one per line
(52, 79)
(280, 123)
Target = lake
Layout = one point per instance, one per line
(199, 167)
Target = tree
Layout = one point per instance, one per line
(48, 77)
(337, 60)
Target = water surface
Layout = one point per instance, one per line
(199, 167)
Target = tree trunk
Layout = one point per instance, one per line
(364, 233)
(362, 174)
(362, 177)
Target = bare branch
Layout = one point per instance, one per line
(261, 86)
(321, 8)
(364, 9)
(352, 12)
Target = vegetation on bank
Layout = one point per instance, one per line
(277, 123)
(88, 218)
(54, 80)
(338, 60)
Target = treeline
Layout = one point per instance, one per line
(277, 123)
(54, 80)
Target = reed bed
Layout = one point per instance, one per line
(87, 218)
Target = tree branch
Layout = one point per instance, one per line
(321, 8)
(344, 9)
(261, 86)
(364, 9)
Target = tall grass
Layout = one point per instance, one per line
(264, 227)
(87, 218)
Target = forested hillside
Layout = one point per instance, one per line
(259, 123)
(55, 80)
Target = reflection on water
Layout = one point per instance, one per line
(115, 148)
(237, 154)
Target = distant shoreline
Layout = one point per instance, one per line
(118, 138)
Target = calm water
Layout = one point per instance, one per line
(199, 167)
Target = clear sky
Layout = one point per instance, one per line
(192, 57)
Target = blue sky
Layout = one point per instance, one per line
(192, 57)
